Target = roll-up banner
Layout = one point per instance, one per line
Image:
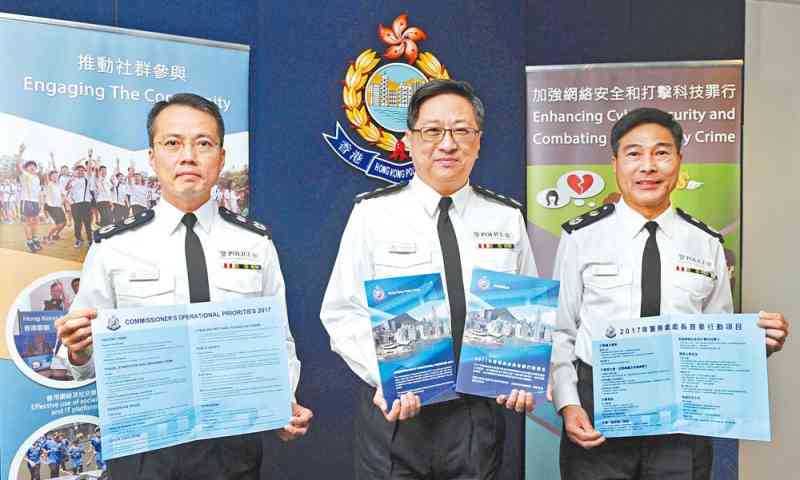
(74, 100)
(570, 112)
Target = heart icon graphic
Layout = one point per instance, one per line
(580, 184)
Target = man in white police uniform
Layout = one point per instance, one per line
(174, 254)
(80, 200)
(436, 223)
(640, 257)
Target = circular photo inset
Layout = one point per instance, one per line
(66, 448)
(30, 329)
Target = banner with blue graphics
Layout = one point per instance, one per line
(74, 100)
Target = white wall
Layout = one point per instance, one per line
(771, 211)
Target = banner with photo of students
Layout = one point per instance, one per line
(74, 146)
(570, 112)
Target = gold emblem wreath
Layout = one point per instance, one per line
(352, 94)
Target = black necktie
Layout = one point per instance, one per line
(651, 274)
(452, 272)
(195, 262)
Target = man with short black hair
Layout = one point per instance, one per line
(184, 243)
(432, 224)
(611, 262)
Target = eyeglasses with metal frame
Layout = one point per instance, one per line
(436, 134)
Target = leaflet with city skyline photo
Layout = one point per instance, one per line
(410, 321)
(507, 334)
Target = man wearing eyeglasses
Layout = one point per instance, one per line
(437, 223)
(173, 254)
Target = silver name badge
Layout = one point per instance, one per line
(606, 270)
(404, 247)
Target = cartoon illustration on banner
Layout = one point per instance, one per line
(375, 100)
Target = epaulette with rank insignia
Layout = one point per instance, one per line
(134, 221)
(245, 222)
(588, 218)
(702, 226)
(380, 192)
(497, 196)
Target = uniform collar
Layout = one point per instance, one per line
(168, 217)
(633, 222)
(429, 198)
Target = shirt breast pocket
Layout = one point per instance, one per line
(691, 291)
(129, 292)
(389, 263)
(237, 283)
(607, 276)
(607, 290)
(498, 260)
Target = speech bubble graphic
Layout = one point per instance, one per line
(581, 183)
(553, 198)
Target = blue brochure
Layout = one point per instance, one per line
(410, 320)
(696, 374)
(171, 375)
(507, 334)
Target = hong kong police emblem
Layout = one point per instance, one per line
(375, 100)
(113, 323)
(611, 332)
(378, 294)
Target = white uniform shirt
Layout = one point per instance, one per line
(146, 267)
(600, 268)
(31, 186)
(92, 182)
(63, 180)
(79, 190)
(102, 189)
(53, 196)
(119, 192)
(15, 191)
(395, 235)
(140, 195)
